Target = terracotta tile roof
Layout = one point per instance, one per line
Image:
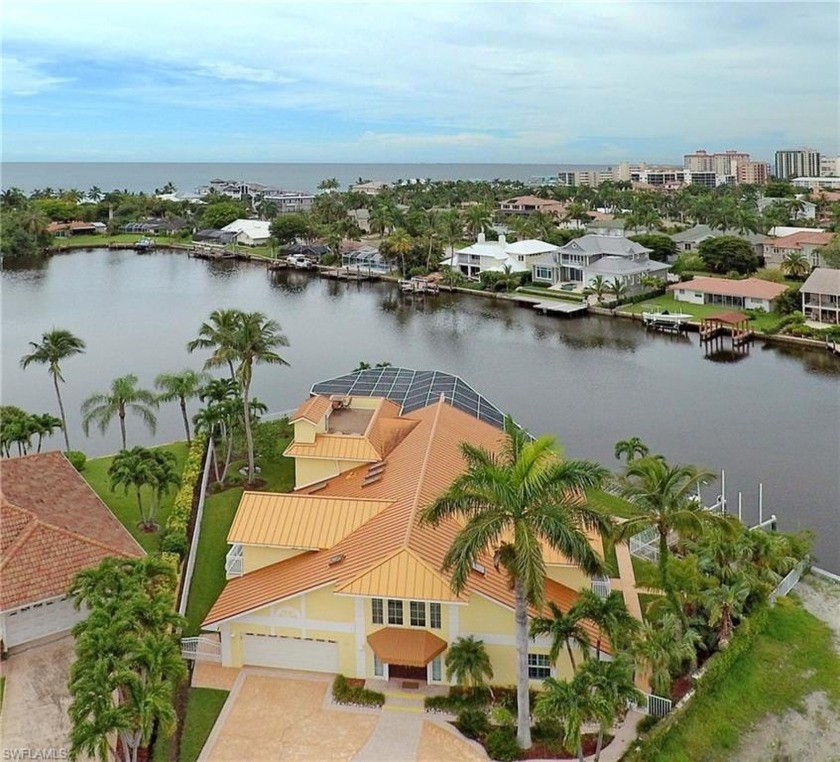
(750, 287)
(421, 468)
(52, 526)
(796, 240)
(415, 648)
(299, 521)
(312, 410)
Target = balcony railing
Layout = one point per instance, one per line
(202, 648)
(234, 562)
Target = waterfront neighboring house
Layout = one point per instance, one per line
(526, 205)
(690, 240)
(340, 576)
(74, 227)
(749, 293)
(821, 296)
(213, 237)
(366, 257)
(802, 210)
(52, 526)
(371, 187)
(499, 256)
(805, 242)
(155, 225)
(612, 257)
(286, 201)
(606, 224)
(250, 232)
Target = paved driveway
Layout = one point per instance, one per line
(275, 715)
(36, 702)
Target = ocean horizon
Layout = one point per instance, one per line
(147, 176)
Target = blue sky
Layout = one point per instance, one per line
(571, 82)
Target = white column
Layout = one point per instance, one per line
(225, 635)
(454, 623)
(361, 665)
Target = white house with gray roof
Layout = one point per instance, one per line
(583, 259)
(821, 296)
(497, 256)
(690, 240)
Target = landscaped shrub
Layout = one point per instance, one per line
(473, 722)
(175, 538)
(437, 704)
(344, 693)
(77, 458)
(501, 745)
(174, 542)
(646, 723)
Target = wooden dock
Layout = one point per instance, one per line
(209, 253)
(569, 309)
(343, 273)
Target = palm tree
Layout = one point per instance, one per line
(163, 475)
(795, 264)
(511, 504)
(133, 468)
(467, 661)
(663, 647)
(45, 425)
(124, 396)
(216, 334)
(252, 340)
(401, 243)
(630, 448)
(611, 616)
(451, 228)
(56, 345)
(618, 288)
(564, 629)
(571, 700)
(598, 286)
(725, 603)
(664, 497)
(182, 386)
(477, 219)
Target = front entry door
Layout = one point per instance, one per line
(404, 672)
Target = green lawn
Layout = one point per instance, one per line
(795, 656)
(219, 510)
(203, 708)
(699, 311)
(124, 505)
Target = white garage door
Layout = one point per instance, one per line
(40, 620)
(291, 653)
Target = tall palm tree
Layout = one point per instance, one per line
(467, 661)
(252, 340)
(630, 448)
(123, 397)
(401, 243)
(664, 497)
(215, 334)
(182, 386)
(133, 469)
(163, 475)
(477, 219)
(55, 346)
(563, 629)
(610, 614)
(511, 504)
(45, 425)
(451, 228)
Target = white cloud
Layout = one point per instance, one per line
(25, 78)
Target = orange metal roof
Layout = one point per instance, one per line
(420, 468)
(311, 522)
(312, 409)
(402, 575)
(335, 447)
(414, 648)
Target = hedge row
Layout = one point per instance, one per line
(175, 539)
(715, 669)
(344, 693)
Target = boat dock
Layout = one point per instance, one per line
(561, 308)
(419, 285)
(204, 252)
(344, 273)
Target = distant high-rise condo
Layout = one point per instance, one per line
(829, 166)
(798, 162)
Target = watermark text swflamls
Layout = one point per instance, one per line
(25, 753)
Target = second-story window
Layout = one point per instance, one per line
(376, 609)
(434, 616)
(395, 612)
(417, 613)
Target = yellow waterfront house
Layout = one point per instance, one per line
(339, 575)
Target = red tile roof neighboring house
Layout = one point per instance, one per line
(52, 525)
(796, 240)
(75, 225)
(754, 288)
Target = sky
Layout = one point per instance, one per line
(549, 82)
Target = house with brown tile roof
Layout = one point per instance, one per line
(52, 525)
(340, 575)
(807, 243)
(746, 294)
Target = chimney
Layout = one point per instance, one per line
(481, 238)
(502, 239)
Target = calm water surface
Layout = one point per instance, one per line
(772, 417)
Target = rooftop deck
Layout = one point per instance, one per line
(349, 421)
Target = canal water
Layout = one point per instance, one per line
(771, 417)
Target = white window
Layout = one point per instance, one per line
(542, 273)
(437, 669)
(395, 612)
(539, 667)
(378, 667)
(434, 616)
(417, 613)
(376, 611)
